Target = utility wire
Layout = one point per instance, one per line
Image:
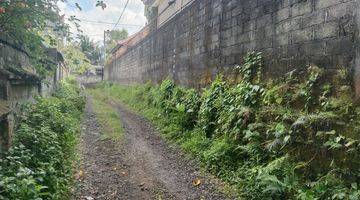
(127, 2)
(95, 34)
(103, 22)
(109, 23)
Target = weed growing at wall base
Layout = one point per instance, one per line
(296, 137)
(40, 163)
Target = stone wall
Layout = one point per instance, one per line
(19, 83)
(13, 89)
(211, 36)
(89, 79)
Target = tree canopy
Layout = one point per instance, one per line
(113, 37)
(26, 22)
(75, 58)
(91, 49)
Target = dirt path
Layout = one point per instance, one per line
(143, 166)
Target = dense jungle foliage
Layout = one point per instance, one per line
(296, 137)
(39, 165)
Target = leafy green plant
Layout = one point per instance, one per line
(251, 70)
(39, 165)
(208, 113)
(31, 23)
(294, 137)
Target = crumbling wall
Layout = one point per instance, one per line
(19, 83)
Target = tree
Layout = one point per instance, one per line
(85, 43)
(113, 37)
(24, 20)
(75, 58)
(90, 49)
(96, 54)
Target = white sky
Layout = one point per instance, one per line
(134, 15)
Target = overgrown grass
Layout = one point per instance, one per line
(296, 137)
(40, 163)
(107, 115)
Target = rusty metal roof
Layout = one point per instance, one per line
(4, 108)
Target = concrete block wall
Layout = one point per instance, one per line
(89, 79)
(211, 36)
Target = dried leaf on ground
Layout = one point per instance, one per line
(196, 182)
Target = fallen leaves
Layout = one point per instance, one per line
(196, 182)
(79, 175)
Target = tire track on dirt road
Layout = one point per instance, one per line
(142, 166)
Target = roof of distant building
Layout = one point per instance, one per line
(123, 42)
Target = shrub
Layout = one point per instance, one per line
(294, 137)
(39, 165)
(210, 106)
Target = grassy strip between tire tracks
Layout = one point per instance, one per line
(107, 115)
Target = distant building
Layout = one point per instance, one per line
(94, 70)
(148, 2)
(92, 76)
(55, 60)
(123, 45)
(163, 10)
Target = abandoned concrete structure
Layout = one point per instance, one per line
(92, 76)
(207, 37)
(20, 83)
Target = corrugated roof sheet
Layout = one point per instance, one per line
(4, 108)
